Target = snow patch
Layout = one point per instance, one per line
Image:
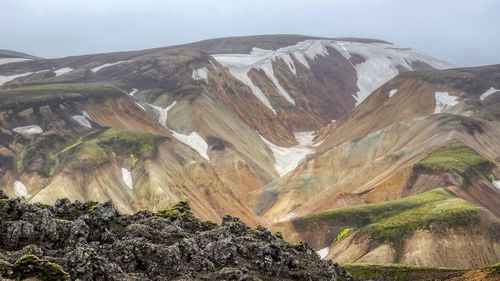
(496, 184)
(4, 79)
(62, 71)
(488, 93)
(288, 158)
(86, 114)
(20, 189)
(289, 216)
(82, 120)
(200, 74)
(323, 252)
(381, 62)
(240, 64)
(305, 138)
(162, 112)
(11, 60)
(444, 101)
(193, 140)
(134, 90)
(139, 105)
(95, 69)
(241, 73)
(392, 92)
(28, 130)
(127, 178)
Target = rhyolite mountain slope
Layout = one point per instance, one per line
(399, 155)
(7, 56)
(213, 120)
(418, 132)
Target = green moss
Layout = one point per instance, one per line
(114, 141)
(20, 161)
(341, 235)
(177, 211)
(32, 266)
(455, 158)
(492, 177)
(78, 142)
(493, 270)
(134, 160)
(391, 222)
(399, 272)
(93, 209)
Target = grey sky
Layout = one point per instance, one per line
(463, 32)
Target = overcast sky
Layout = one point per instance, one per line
(463, 32)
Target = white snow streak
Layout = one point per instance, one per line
(381, 61)
(444, 101)
(134, 90)
(288, 158)
(5, 79)
(392, 92)
(86, 114)
(162, 112)
(95, 69)
(193, 140)
(200, 74)
(380, 65)
(62, 71)
(82, 120)
(488, 93)
(289, 216)
(139, 105)
(496, 184)
(20, 189)
(127, 178)
(240, 64)
(11, 60)
(28, 130)
(241, 73)
(323, 252)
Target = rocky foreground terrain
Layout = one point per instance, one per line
(92, 241)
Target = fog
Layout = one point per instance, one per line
(464, 33)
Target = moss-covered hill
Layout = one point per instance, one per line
(27, 96)
(98, 145)
(392, 222)
(400, 272)
(457, 159)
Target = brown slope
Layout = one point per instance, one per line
(80, 163)
(414, 98)
(375, 146)
(222, 106)
(434, 228)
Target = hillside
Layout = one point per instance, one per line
(379, 146)
(247, 106)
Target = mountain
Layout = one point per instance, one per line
(7, 56)
(349, 144)
(418, 132)
(235, 111)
